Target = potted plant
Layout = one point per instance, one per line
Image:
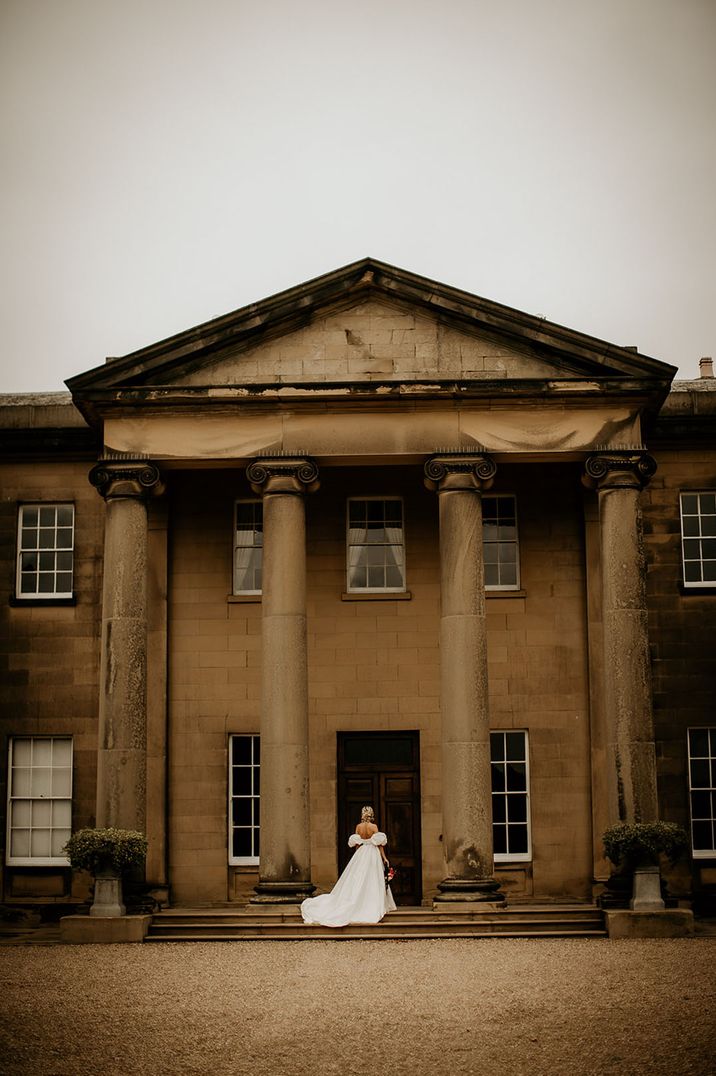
(106, 854)
(636, 848)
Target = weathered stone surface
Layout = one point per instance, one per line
(83, 930)
(671, 923)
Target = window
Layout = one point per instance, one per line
(39, 816)
(698, 539)
(248, 547)
(499, 542)
(510, 796)
(376, 553)
(45, 544)
(702, 791)
(244, 799)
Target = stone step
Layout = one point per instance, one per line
(342, 934)
(226, 924)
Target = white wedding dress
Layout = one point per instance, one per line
(360, 894)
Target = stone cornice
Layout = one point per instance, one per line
(126, 478)
(619, 470)
(283, 474)
(457, 470)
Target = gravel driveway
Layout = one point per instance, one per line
(505, 1006)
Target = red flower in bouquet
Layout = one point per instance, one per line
(389, 875)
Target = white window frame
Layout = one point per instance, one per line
(236, 547)
(514, 857)
(376, 590)
(253, 860)
(21, 595)
(13, 798)
(695, 584)
(703, 853)
(498, 541)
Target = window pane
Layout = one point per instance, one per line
(701, 805)
(709, 570)
(700, 773)
(21, 784)
(64, 538)
(41, 782)
(47, 538)
(499, 839)
(241, 750)
(21, 751)
(702, 833)
(41, 813)
(692, 571)
(21, 813)
(241, 812)
(20, 843)
(62, 814)
(46, 583)
(40, 843)
(692, 548)
(60, 838)
(29, 517)
(42, 752)
(497, 746)
(690, 503)
(491, 575)
(498, 777)
(517, 808)
(61, 782)
(241, 842)
(47, 517)
(517, 836)
(699, 743)
(516, 777)
(708, 503)
(29, 562)
(65, 515)
(499, 809)
(691, 528)
(508, 575)
(64, 583)
(515, 746)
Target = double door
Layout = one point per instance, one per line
(382, 769)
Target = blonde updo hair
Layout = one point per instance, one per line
(367, 815)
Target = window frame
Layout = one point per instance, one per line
(43, 596)
(253, 860)
(702, 853)
(402, 589)
(502, 586)
(235, 547)
(512, 857)
(703, 583)
(34, 861)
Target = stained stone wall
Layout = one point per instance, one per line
(681, 626)
(50, 653)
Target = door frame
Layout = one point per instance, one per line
(374, 770)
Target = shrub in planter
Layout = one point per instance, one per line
(631, 844)
(98, 850)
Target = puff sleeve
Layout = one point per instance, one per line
(379, 838)
(354, 840)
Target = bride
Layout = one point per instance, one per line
(360, 895)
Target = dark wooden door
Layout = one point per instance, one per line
(383, 769)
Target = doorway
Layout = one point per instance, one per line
(383, 769)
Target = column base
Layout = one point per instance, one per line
(470, 890)
(282, 892)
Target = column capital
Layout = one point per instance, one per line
(619, 470)
(460, 471)
(127, 478)
(283, 474)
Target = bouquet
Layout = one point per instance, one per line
(389, 873)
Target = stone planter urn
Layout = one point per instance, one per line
(636, 848)
(106, 854)
(107, 893)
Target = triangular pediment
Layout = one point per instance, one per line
(373, 341)
(368, 323)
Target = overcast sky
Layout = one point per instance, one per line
(167, 161)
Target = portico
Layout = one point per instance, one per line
(308, 658)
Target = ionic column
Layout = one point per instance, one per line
(619, 477)
(466, 783)
(285, 858)
(122, 744)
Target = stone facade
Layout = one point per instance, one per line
(347, 388)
